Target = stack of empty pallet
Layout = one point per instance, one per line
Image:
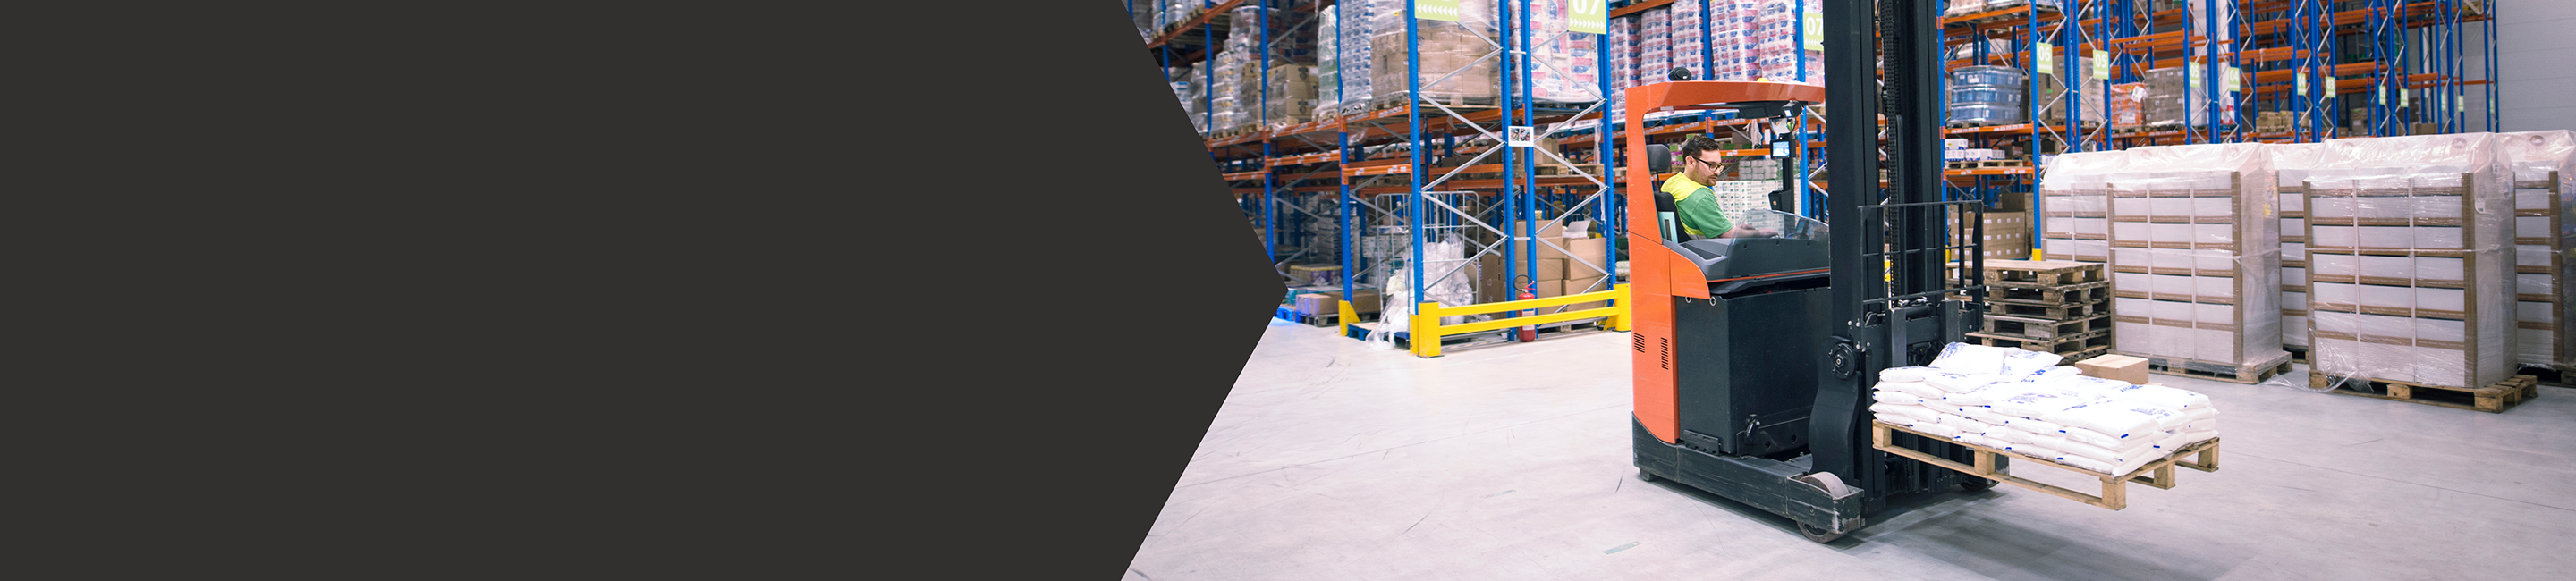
(2053, 306)
(2544, 209)
(2195, 261)
(2291, 163)
(2409, 247)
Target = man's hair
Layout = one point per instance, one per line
(1697, 143)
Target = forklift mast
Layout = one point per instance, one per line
(1886, 319)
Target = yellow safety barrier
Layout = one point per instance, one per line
(1427, 330)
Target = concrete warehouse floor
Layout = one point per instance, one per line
(1333, 461)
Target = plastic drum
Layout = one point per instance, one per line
(1989, 75)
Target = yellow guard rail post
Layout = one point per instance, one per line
(1426, 329)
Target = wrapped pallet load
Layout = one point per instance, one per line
(1455, 68)
(2544, 210)
(2290, 164)
(2023, 402)
(2195, 259)
(2075, 205)
(2409, 249)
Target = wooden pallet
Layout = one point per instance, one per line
(2298, 354)
(2247, 373)
(2090, 292)
(2042, 273)
(2202, 456)
(2494, 399)
(1987, 163)
(2054, 312)
(2074, 347)
(2042, 328)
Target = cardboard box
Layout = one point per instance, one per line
(1549, 269)
(1595, 251)
(1587, 285)
(1366, 302)
(1549, 288)
(2119, 367)
(1318, 304)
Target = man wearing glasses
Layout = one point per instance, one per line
(1694, 203)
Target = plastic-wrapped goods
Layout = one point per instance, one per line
(2409, 250)
(2195, 256)
(1353, 23)
(1328, 71)
(2127, 103)
(2053, 99)
(2075, 205)
(2178, 95)
(1690, 41)
(2544, 210)
(1292, 95)
(1453, 56)
(1962, 7)
(1775, 34)
(1654, 44)
(1564, 66)
(2291, 163)
(1623, 70)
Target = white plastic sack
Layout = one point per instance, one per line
(2052, 373)
(1977, 440)
(2075, 448)
(2181, 399)
(1918, 389)
(1903, 414)
(1935, 428)
(2200, 413)
(1895, 397)
(2115, 418)
(1969, 359)
(2036, 401)
(2171, 442)
(1984, 415)
(2008, 435)
(1963, 423)
(1965, 358)
(1903, 373)
(2108, 442)
(2034, 426)
(2033, 450)
(1961, 382)
(2103, 467)
(2088, 386)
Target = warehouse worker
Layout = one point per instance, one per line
(1694, 202)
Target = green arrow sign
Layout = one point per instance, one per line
(1584, 16)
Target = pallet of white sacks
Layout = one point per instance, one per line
(2202, 456)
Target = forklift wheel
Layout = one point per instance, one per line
(1642, 474)
(1817, 535)
(1979, 485)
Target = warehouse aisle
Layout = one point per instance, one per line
(1332, 461)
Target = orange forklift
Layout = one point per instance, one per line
(1753, 357)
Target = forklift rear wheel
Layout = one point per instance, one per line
(1642, 474)
(1978, 485)
(1816, 534)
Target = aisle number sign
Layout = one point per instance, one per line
(1446, 10)
(2047, 59)
(2101, 65)
(1815, 26)
(2302, 89)
(2330, 86)
(1585, 16)
(2231, 82)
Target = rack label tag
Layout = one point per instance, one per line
(2047, 59)
(1436, 10)
(2101, 65)
(1585, 16)
(1520, 136)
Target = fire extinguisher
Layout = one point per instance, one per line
(1529, 291)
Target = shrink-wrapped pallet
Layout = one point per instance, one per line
(2544, 210)
(2291, 163)
(1458, 64)
(2410, 248)
(2195, 258)
(2075, 205)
